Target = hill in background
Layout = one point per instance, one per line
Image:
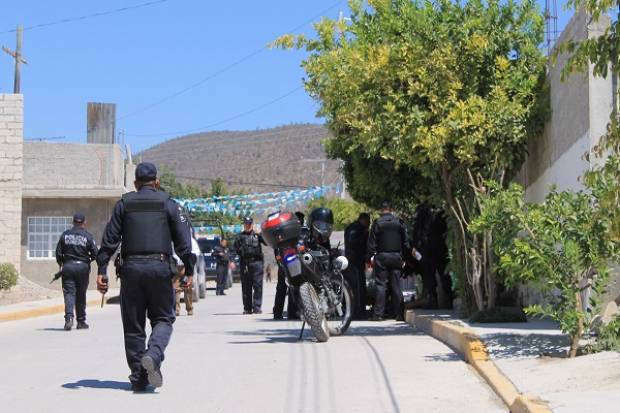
(259, 161)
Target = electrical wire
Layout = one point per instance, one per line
(88, 16)
(221, 122)
(225, 68)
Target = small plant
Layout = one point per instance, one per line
(563, 246)
(608, 338)
(8, 276)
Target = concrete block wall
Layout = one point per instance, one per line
(11, 176)
(580, 110)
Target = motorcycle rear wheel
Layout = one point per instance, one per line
(312, 312)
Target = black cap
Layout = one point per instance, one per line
(386, 205)
(146, 172)
(79, 218)
(248, 220)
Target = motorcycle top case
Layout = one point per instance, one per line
(281, 230)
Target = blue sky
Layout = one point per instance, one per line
(138, 57)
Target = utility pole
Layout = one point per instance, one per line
(17, 55)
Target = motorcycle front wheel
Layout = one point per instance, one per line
(312, 312)
(340, 314)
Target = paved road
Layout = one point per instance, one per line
(222, 361)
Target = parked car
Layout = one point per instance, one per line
(207, 243)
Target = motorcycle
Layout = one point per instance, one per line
(314, 274)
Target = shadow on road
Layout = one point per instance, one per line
(52, 329)
(443, 357)
(99, 384)
(290, 335)
(503, 346)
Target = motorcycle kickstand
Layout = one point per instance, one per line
(301, 333)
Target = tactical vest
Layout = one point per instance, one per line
(145, 224)
(250, 246)
(390, 235)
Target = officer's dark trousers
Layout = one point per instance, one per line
(74, 285)
(146, 290)
(356, 278)
(252, 280)
(387, 276)
(436, 264)
(281, 293)
(222, 273)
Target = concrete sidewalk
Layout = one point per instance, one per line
(30, 309)
(532, 356)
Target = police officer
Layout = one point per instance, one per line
(148, 222)
(74, 252)
(282, 289)
(222, 259)
(355, 248)
(388, 245)
(248, 245)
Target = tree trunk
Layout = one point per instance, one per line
(576, 337)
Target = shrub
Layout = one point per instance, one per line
(8, 276)
(609, 337)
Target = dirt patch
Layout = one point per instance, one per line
(26, 290)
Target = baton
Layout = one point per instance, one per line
(106, 290)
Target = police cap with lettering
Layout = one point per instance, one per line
(79, 218)
(146, 172)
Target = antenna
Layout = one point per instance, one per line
(551, 24)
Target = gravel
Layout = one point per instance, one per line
(26, 290)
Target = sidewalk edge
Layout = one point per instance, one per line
(465, 342)
(41, 311)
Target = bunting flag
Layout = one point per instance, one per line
(258, 204)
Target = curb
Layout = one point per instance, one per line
(465, 342)
(41, 311)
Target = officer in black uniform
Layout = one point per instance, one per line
(74, 252)
(251, 259)
(222, 259)
(282, 289)
(355, 248)
(388, 245)
(148, 222)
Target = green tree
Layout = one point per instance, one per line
(433, 98)
(176, 189)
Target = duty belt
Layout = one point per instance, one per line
(157, 257)
(76, 262)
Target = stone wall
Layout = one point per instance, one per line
(11, 176)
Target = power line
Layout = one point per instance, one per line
(225, 68)
(88, 16)
(218, 123)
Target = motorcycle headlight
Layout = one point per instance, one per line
(341, 263)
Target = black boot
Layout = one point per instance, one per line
(81, 325)
(68, 323)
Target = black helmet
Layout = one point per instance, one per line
(321, 223)
(248, 220)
